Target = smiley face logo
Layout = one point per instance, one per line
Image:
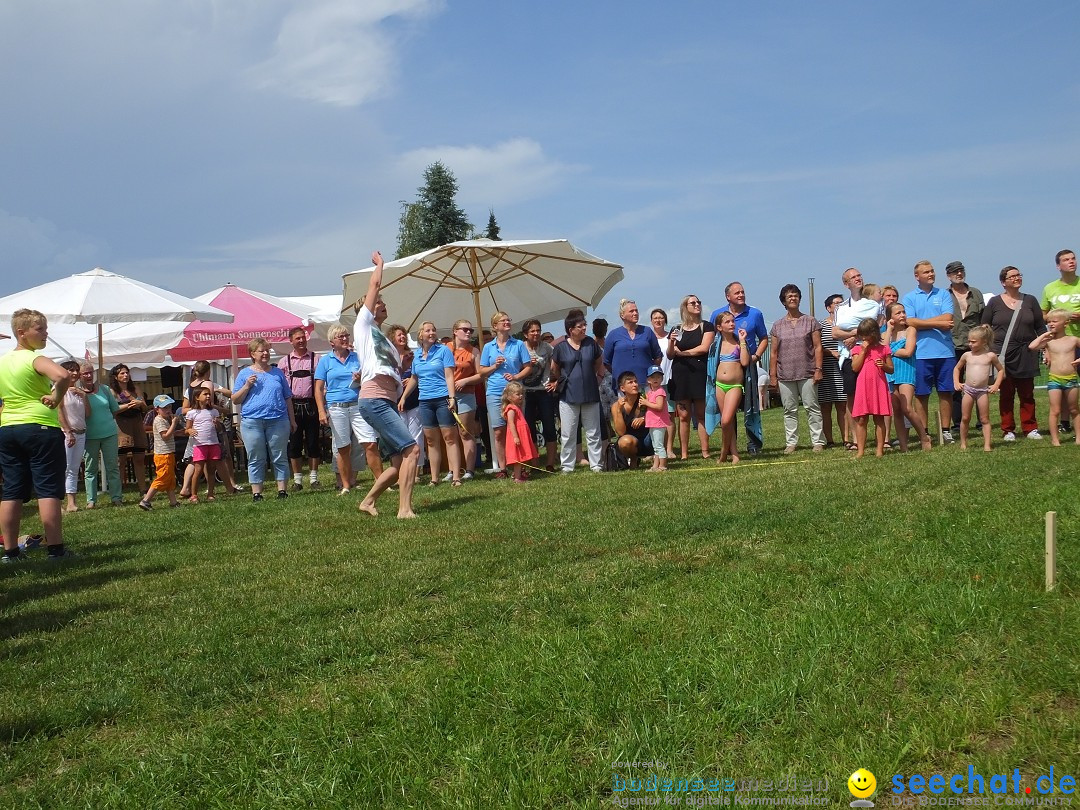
(862, 784)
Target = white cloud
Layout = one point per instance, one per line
(508, 172)
(337, 52)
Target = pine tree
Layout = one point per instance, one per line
(493, 229)
(435, 218)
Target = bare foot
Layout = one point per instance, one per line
(963, 445)
(89, 504)
(71, 508)
(406, 515)
(734, 459)
(369, 507)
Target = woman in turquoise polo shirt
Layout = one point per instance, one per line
(102, 439)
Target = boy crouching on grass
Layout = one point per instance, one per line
(1062, 387)
(165, 427)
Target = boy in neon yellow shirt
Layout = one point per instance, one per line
(31, 442)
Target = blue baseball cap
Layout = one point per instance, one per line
(163, 401)
(654, 370)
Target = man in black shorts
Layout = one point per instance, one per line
(298, 366)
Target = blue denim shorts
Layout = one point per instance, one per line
(383, 416)
(33, 461)
(494, 408)
(466, 403)
(435, 413)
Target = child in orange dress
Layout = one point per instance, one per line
(520, 447)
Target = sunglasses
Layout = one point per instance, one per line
(468, 330)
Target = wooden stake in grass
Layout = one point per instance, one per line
(1051, 550)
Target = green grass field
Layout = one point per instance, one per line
(791, 617)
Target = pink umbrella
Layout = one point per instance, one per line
(255, 315)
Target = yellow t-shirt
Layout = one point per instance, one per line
(22, 388)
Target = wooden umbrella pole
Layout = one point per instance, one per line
(101, 353)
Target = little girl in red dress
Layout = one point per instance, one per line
(520, 448)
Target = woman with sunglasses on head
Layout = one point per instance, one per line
(467, 385)
(688, 348)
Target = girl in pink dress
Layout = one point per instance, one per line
(871, 360)
(520, 447)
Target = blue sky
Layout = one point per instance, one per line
(268, 143)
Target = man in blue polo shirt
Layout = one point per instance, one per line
(757, 340)
(930, 311)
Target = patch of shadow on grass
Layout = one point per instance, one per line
(29, 588)
(48, 621)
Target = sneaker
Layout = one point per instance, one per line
(894, 444)
(256, 497)
(448, 477)
(314, 484)
(66, 555)
(466, 476)
(1034, 435)
(297, 486)
(32, 541)
(1009, 437)
(13, 558)
(947, 437)
(146, 506)
(282, 494)
(753, 450)
(344, 491)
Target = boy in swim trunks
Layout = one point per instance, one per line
(977, 364)
(1063, 383)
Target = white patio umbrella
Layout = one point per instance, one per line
(540, 279)
(101, 297)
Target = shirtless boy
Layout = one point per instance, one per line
(1063, 383)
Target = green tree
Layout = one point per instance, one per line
(493, 229)
(435, 218)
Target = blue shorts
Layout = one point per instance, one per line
(466, 403)
(494, 408)
(383, 417)
(33, 461)
(435, 413)
(934, 373)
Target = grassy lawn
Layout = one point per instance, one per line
(794, 616)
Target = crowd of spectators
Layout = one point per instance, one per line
(550, 404)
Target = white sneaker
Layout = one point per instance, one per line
(466, 476)
(947, 437)
(1034, 435)
(448, 477)
(1009, 437)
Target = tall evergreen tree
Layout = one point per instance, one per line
(493, 229)
(435, 218)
